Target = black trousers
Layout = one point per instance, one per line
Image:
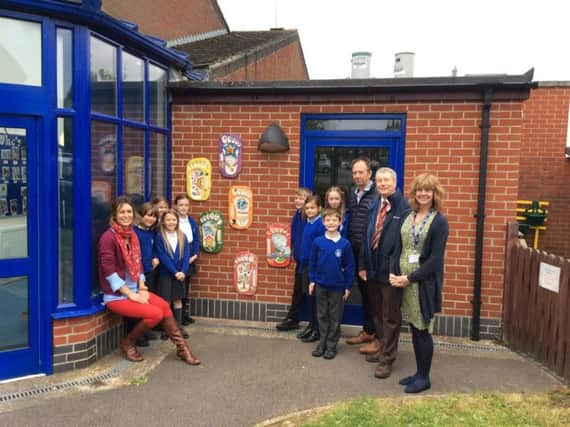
(297, 297)
(330, 307)
(367, 311)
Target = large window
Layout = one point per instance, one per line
(128, 134)
(20, 52)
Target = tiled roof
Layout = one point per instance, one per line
(236, 44)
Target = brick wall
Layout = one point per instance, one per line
(286, 63)
(80, 341)
(441, 137)
(545, 172)
(168, 19)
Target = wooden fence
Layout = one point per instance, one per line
(536, 321)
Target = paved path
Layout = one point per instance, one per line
(245, 379)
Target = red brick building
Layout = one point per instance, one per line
(198, 28)
(445, 120)
(544, 167)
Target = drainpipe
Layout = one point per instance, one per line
(485, 125)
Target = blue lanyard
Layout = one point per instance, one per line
(416, 236)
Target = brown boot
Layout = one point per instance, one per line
(182, 350)
(361, 338)
(371, 347)
(128, 345)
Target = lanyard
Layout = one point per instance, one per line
(416, 236)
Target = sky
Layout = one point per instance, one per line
(475, 36)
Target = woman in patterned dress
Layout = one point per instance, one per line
(418, 272)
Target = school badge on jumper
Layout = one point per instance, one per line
(229, 148)
(240, 200)
(199, 178)
(211, 231)
(245, 273)
(278, 245)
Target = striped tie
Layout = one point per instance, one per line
(379, 224)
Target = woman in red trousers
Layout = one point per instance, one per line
(122, 281)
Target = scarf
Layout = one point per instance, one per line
(130, 249)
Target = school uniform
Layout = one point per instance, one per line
(146, 240)
(168, 286)
(331, 269)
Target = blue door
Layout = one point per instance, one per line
(19, 295)
(331, 142)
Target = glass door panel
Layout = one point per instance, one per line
(19, 300)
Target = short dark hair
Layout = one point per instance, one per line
(364, 159)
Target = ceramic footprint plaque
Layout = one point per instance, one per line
(240, 200)
(229, 148)
(278, 245)
(211, 231)
(199, 178)
(245, 273)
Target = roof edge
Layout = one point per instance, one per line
(522, 81)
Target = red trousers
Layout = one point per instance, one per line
(152, 313)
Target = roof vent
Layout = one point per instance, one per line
(404, 64)
(360, 65)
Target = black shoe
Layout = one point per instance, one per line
(407, 380)
(318, 352)
(150, 335)
(305, 332)
(187, 320)
(419, 385)
(287, 325)
(330, 354)
(142, 342)
(313, 336)
(163, 336)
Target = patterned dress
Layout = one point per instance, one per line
(411, 301)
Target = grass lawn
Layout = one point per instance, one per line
(481, 409)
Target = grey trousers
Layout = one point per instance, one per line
(330, 307)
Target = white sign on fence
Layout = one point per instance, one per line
(549, 277)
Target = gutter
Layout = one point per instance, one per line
(480, 226)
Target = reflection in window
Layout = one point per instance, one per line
(13, 193)
(133, 164)
(103, 77)
(354, 124)
(333, 165)
(103, 181)
(157, 165)
(133, 87)
(64, 68)
(20, 52)
(65, 202)
(157, 84)
(14, 328)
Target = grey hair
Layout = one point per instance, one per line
(385, 170)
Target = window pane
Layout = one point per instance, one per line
(65, 202)
(333, 165)
(133, 87)
(13, 193)
(103, 183)
(20, 52)
(157, 84)
(103, 77)
(14, 330)
(157, 165)
(354, 124)
(64, 68)
(133, 164)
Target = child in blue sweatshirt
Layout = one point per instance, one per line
(313, 228)
(331, 271)
(297, 228)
